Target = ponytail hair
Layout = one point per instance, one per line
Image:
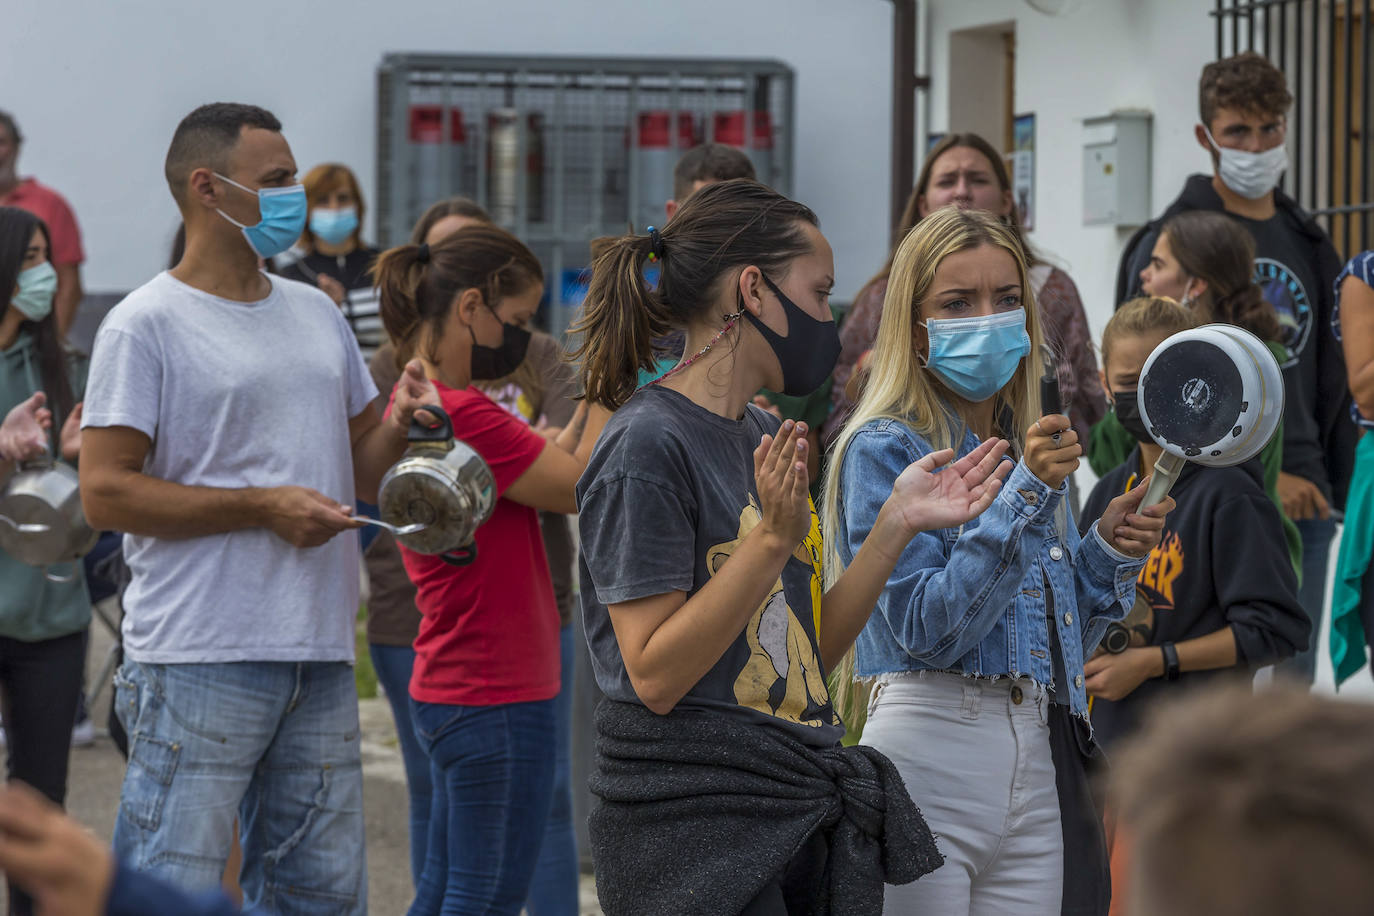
(1213, 247)
(720, 229)
(419, 283)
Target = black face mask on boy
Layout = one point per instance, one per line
(1127, 410)
(808, 353)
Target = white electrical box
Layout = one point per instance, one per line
(1116, 169)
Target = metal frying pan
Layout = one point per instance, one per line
(1212, 395)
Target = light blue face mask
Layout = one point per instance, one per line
(281, 218)
(37, 286)
(333, 226)
(975, 357)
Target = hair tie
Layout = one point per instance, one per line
(422, 256)
(655, 245)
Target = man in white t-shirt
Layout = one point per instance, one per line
(229, 423)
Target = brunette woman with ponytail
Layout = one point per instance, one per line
(487, 655)
(723, 788)
(1206, 261)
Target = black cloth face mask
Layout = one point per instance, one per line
(808, 353)
(1127, 410)
(497, 362)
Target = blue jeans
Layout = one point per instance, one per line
(393, 665)
(1316, 551)
(275, 744)
(554, 889)
(492, 771)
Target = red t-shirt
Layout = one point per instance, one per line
(489, 631)
(49, 206)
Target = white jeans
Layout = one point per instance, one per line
(975, 756)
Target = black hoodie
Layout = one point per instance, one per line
(1222, 560)
(1318, 437)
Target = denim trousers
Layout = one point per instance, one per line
(40, 684)
(492, 773)
(554, 892)
(393, 665)
(1317, 535)
(975, 756)
(275, 744)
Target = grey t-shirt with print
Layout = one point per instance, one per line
(233, 395)
(668, 495)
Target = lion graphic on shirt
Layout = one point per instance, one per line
(783, 676)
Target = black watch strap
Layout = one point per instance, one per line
(1171, 671)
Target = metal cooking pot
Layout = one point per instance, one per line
(1212, 395)
(41, 522)
(442, 485)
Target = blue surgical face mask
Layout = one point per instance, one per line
(975, 357)
(37, 286)
(281, 218)
(333, 226)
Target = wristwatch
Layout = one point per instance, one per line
(1171, 671)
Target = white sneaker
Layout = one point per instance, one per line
(83, 733)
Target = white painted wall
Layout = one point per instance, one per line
(1103, 56)
(98, 88)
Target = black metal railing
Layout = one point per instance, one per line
(1323, 46)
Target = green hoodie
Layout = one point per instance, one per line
(32, 607)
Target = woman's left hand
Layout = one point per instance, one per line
(70, 437)
(925, 498)
(1114, 677)
(23, 435)
(1130, 529)
(412, 391)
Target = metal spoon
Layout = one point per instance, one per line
(25, 527)
(398, 531)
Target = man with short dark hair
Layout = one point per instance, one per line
(1243, 106)
(703, 165)
(1239, 804)
(52, 208)
(229, 424)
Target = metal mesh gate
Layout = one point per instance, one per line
(1323, 46)
(564, 150)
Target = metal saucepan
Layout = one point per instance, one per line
(43, 524)
(443, 487)
(1212, 395)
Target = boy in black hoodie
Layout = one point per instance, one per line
(1221, 593)
(1243, 103)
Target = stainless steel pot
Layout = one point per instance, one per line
(41, 522)
(442, 485)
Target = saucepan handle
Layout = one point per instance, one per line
(463, 556)
(420, 432)
(1166, 471)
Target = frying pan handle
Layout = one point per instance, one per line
(1167, 469)
(463, 556)
(419, 432)
(1050, 401)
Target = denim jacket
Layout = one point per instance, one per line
(973, 600)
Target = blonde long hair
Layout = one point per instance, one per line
(900, 388)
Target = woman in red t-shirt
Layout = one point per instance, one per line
(487, 655)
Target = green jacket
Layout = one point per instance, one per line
(1109, 446)
(32, 607)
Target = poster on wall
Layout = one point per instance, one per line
(1023, 168)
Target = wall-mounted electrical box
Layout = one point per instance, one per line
(1116, 169)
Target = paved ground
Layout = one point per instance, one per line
(97, 772)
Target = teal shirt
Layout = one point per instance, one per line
(32, 607)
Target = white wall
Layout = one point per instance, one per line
(1103, 56)
(98, 88)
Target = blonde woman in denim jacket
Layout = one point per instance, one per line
(981, 630)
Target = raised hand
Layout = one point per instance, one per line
(23, 435)
(332, 288)
(1052, 462)
(70, 437)
(1130, 529)
(780, 474)
(61, 864)
(926, 497)
(412, 391)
